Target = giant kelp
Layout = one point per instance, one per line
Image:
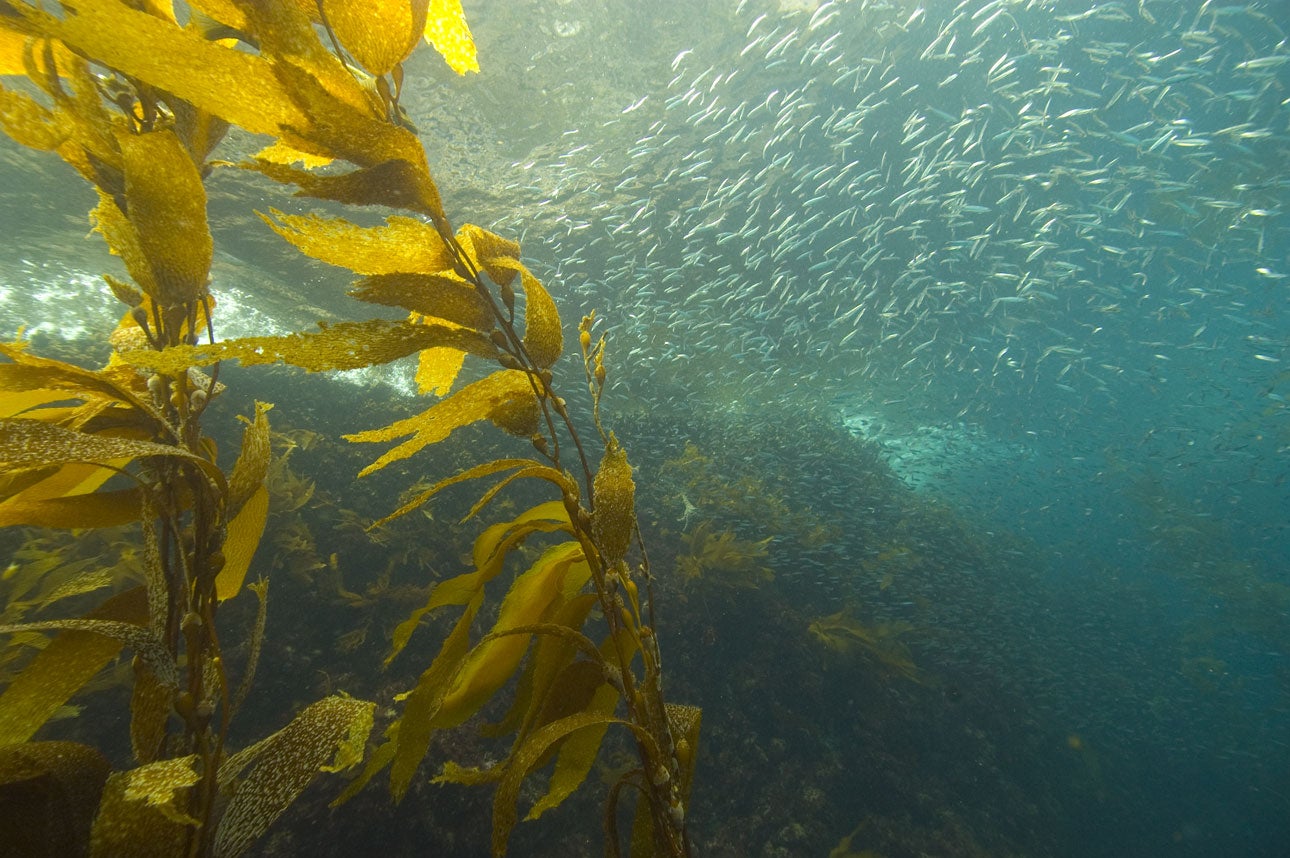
(136, 103)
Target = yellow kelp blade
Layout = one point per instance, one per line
(444, 295)
(403, 245)
(379, 34)
(396, 183)
(485, 399)
(31, 373)
(482, 470)
(244, 533)
(446, 29)
(51, 792)
(437, 370)
(142, 812)
(26, 444)
(535, 748)
(97, 509)
(490, 551)
(166, 202)
(334, 728)
(345, 345)
(559, 573)
(236, 85)
(58, 671)
(253, 461)
(412, 739)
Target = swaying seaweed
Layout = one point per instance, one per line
(137, 103)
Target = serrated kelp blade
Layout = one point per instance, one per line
(379, 34)
(151, 703)
(333, 729)
(144, 642)
(244, 533)
(477, 401)
(543, 337)
(491, 548)
(58, 671)
(535, 470)
(261, 590)
(342, 346)
(550, 656)
(496, 255)
(447, 31)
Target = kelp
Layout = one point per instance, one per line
(137, 103)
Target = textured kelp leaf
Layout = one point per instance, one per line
(379, 34)
(49, 793)
(99, 509)
(261, 590)
(166, 202)
(142, 811)
(499, 257)
(474, 402)
(34, 444)
(437, 370)
(244, 533)
(396, 183)
(614, 495)
(543, 338)
(345, 345)
(403, 245)
(28, 122)
(145, 644)
(270, 158)
(31, 373)
(253, 461)
(361, 135)
(437, 296)
(151, 703)
(684, 722)
(505, 814)
(494, 254)
(333, 729)
(447, 31)
(58, 671)
(233, 84)
(560, 479)
(535, 594)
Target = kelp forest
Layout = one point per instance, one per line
(240, 620)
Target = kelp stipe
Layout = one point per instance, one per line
(324, 82)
